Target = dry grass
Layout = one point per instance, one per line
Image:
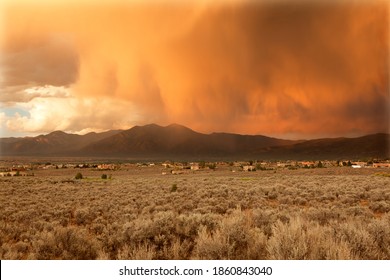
(292, 214)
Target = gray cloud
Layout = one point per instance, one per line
(47, 60)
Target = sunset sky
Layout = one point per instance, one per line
(288, 69)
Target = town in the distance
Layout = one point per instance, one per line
(12, 167)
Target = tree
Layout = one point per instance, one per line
(174, 188)
(79, 176)
(212, 166)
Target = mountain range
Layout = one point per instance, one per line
(179, 142)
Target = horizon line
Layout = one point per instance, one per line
(206, 133)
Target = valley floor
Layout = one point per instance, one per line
(138, 213)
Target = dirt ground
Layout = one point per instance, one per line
(139, 213)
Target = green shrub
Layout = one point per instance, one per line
(212, 166)
(78, 176)
(104, 176)
(174, 188)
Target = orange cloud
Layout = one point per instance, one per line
(301, 70)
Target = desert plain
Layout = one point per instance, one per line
(149, 211)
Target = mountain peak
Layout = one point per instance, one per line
(179, 127)
(152, 127)
(57, 132)
(176, 125)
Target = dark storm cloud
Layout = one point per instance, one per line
(46, 60)
(310, 60)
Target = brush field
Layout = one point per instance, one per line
(138, 213)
